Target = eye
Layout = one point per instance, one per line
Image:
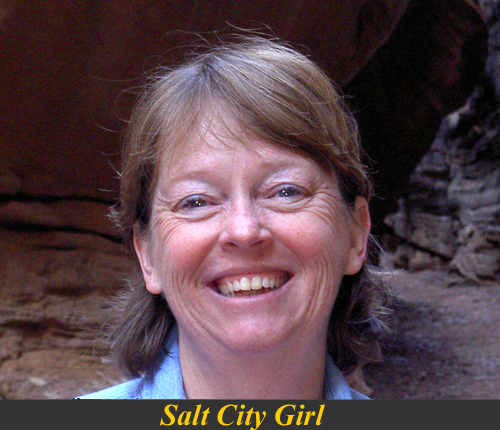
(288, 191)
(193, 202)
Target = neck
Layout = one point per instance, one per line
(292, 371)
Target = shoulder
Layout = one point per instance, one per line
(358, 396)
(126, 390)
(336, 386)
(162, 381)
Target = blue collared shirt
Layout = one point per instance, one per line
(166, 381)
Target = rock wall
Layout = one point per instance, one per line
(434, 57)
(452, 214)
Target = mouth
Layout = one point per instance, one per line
(250, 285)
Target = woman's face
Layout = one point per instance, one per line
(249, 246)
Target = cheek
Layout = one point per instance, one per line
(181, 247)
(317, 235)
(319, 251)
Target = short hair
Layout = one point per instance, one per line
(277, 94)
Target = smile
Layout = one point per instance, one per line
(251, 285)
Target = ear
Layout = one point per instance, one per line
(360, 230)
(142, 247)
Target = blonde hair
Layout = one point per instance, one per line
(274, 93)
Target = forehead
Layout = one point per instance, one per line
(218, 133)
(205, 147)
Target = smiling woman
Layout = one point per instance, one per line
(245, 200)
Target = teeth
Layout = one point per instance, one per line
(236, 286)
(245, 286)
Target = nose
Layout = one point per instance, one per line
(244, 228)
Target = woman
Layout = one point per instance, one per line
(245, 200)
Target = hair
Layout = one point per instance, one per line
(274, 93)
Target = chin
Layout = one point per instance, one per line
(255, 341)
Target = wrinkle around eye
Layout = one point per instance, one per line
(323, 201)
